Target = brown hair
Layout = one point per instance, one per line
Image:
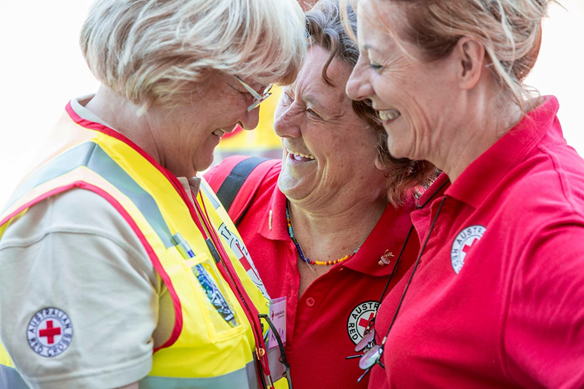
(325, 29)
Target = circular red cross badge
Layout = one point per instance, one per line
(49, 332)
(359, 319)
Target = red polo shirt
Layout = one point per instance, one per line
(326, 322)
(498, 298)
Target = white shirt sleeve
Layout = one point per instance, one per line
(75, 254)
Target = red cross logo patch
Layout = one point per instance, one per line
(464, 243)
(49, 332)
(359, 319)
(244, 258)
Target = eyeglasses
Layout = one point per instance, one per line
(258, 99)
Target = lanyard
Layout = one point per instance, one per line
(201, 219)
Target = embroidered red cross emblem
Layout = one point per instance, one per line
(467, 248)
(50, 332)
(364, 323)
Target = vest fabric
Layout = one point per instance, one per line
(204, 350)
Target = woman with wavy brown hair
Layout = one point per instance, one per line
(328, 227)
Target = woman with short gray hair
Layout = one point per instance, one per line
(118, 266)
(494, 298)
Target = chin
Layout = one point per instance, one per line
(292, 187)
(203, 164)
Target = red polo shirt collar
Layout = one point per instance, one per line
(481, 177)
(392, 222)
(278, 230)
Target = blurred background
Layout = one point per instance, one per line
(41, 69)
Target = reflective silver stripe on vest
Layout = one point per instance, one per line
(10, 379)
(244, 378)
(92, 156)
(211, 197)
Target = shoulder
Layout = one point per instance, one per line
(240, 181)
(241, 166)
(77, 215)
(548, 183)
(82, 256)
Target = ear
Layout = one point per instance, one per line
(379, 163)
(470, 56)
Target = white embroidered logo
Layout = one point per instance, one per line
(463, 244)
(49, 332)
(240, 251)
(359, 319)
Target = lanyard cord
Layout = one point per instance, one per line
(414, 270)
(372, 321)
(236, 286)
(210, 235)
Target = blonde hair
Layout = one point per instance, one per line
(509, 30)
(153, 52)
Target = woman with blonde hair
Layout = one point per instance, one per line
(113, 270)
(495, 296)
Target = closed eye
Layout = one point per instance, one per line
(286, 100)
(375, 66)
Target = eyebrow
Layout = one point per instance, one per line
(308, 98)
(321, 107)
(368, 47)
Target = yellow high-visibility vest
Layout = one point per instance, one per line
(204, 350)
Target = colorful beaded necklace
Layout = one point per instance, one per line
(301, 254)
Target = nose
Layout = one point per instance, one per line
(358, 87)
(286, 123)
(251, 119)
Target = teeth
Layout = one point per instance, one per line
(301, 155)
(219, 132)
(389, 114)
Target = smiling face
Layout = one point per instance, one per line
(417, 100)
(328, 150)
(186, 136)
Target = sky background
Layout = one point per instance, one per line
(42, 69)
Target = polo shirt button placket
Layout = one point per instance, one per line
(310, 302)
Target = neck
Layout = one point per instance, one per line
(487, 122)
(330, 235)
(126, 118)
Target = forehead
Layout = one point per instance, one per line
(378, 21)
(310, 80)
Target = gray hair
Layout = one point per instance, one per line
(152, 52)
